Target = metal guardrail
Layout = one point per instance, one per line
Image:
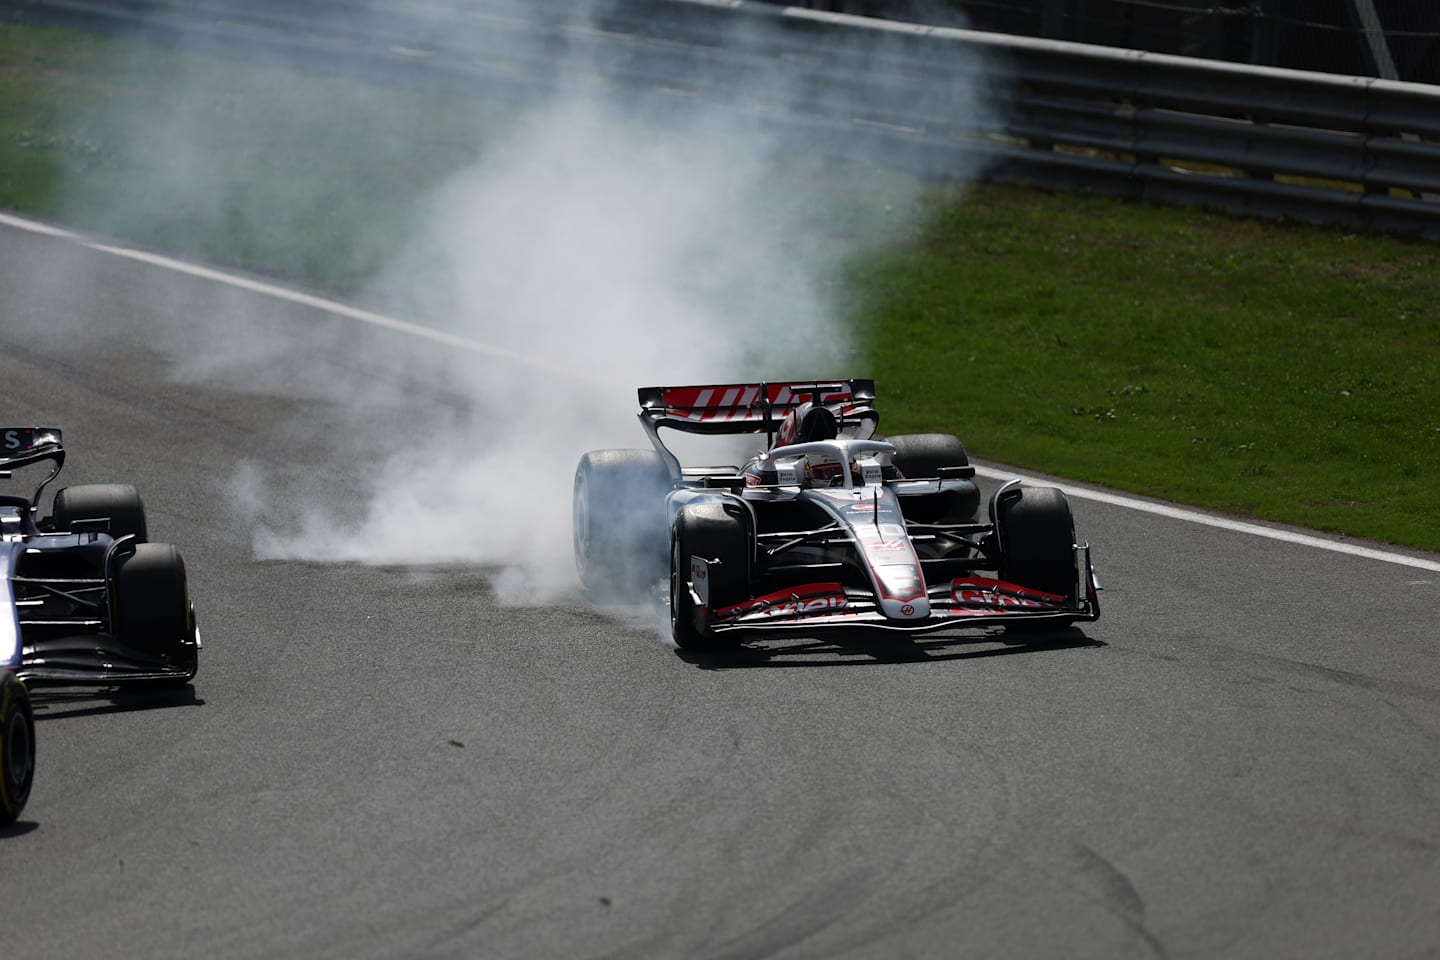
(944, 102)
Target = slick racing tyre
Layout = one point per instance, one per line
(118, 501)
(1037, 540)
(709, 531)
(17, 748)
(920, 457)
(619, 522)
(152, 607)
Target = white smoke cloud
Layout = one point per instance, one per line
(622, 254)
(606, 241)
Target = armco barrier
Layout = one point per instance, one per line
(1308, 146)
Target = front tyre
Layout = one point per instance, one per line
(152, 608)
(1037, 541)
(710, 532)
(17, 748)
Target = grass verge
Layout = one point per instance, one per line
(1279, 371)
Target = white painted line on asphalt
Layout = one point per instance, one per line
(20, 223)
(1237, 526)
(329, 306)
(293, 296)
(476, 346)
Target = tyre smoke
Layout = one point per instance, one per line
(682, 222)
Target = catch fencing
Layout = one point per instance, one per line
(1314, 147)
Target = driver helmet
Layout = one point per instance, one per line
(806, 423)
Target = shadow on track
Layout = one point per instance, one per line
(871, 649)
(55, 703)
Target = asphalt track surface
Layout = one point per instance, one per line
(1238, 760)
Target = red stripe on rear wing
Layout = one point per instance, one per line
(754, 402)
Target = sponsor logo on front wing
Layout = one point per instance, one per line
(983, 595)
(810, 600)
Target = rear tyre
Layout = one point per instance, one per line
(619, 522)
(920, 457)
(1037, 541)
(709, 531)
(152, 607)
(118, 501)
(17, 748)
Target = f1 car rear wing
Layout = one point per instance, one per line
(756, 407)
(23, 446)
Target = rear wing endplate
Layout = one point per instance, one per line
(23, 446)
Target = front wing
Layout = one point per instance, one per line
(99, 660)
(963, 602)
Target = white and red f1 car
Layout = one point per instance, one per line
(827, 527)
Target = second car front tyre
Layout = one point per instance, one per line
(17, 748)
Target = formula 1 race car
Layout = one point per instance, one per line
(86, 598)
(828, 526)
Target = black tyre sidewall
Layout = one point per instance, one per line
(1037, 537)
(710, 531)
(17, 748)
(153, 604)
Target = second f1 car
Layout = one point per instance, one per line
(85, 599)
(826, 527)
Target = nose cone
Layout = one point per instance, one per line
(917, 609)
(902, 591)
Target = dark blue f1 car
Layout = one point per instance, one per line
(85, 599)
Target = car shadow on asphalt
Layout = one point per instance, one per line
(871, 649)
(54, 703)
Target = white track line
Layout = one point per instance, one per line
(292, 296)
(1238, 526)
(476, 346)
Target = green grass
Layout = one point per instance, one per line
(1267, 369)
(305, 176)
(1286, 372)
